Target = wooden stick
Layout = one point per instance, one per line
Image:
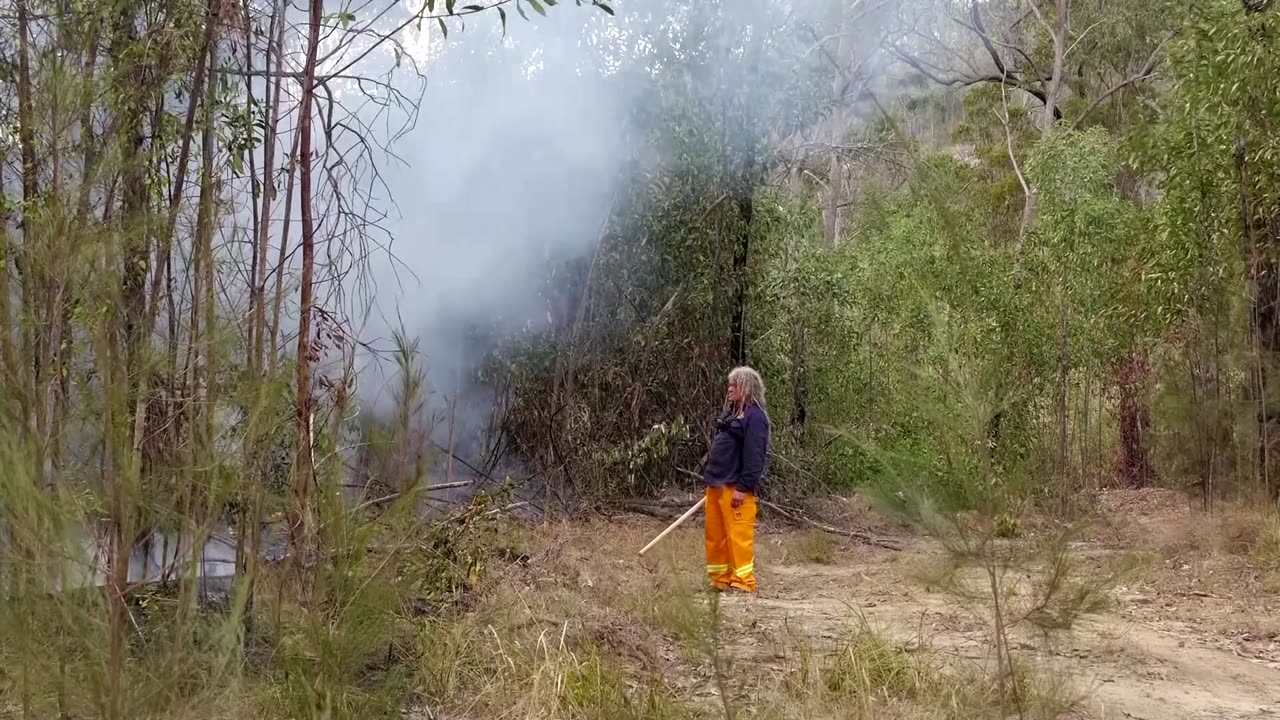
(797, 517)
(688, 513)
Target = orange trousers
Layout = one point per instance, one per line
(730, 536)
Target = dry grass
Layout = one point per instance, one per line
(1266, 546)
(520, 656)
(570, 634)
(587, 628)
(865, 675)
(568, 623)
(814, 546)
(1220, 547)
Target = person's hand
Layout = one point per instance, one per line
(738, 498)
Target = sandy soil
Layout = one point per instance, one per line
(1196, 635)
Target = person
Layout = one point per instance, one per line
(732, 473)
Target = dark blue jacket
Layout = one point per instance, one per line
(740, 450)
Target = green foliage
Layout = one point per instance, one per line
(1090, 247)
(1212, 148)
(642, 457)
(921, 291)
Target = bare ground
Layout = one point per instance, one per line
(1195, 635)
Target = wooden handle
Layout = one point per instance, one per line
(688, 513)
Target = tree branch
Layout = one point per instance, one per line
(1147, 70)
(961, 81)
(980, 29)
(419, 17)
(986, 40)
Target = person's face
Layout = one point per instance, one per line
(734, 393)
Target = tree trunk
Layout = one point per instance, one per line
(30, 287)
(799, 379)
(1136, 468)
(743, 196)
(1064, 376)
(257, 302)
(273, 345)
(135, 237)
(741, 283)
(33, 269)
(299, 525)
(253, 486)
(165, 250)
(1135, 422)
(1061, 35)
(1261, 234)
(832, 215)
(8, 368)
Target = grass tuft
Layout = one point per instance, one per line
(868, 665)
(815, 547)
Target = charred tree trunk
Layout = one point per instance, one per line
(1136, 468)
(741, 284)
(1135, 422)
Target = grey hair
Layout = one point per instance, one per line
(752, 386)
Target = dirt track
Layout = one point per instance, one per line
(1127, 664)
(1196, 636)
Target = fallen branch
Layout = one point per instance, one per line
(394, 496)
(506, 508)
(466, 514)
(867, 538)
(661, 511)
